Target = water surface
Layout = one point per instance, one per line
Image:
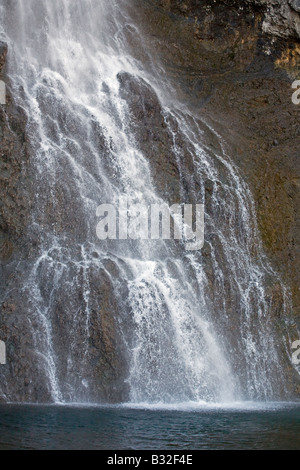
(276, 426)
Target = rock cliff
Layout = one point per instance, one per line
(233, 63)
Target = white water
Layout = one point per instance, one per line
(64, 61)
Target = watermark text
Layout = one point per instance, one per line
(296, 354)
(2, 92)
(2, 353)
(296, 94)
(154, 222)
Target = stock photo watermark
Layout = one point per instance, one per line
(152, 222)
(296, 94)
(2, 353)
(296, 354)
(2, 93)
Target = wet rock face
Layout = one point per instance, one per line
(149, 124)
(234, 64)
(15, 204)
(15, 197)
(100, 366)
(153, 134)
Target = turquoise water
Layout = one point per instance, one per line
(276, 426)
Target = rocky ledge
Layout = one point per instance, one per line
(280, 18)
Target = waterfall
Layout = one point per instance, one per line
(130, 320)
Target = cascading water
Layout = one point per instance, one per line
(131, 320)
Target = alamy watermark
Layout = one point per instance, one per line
(152, 222)
(296, 354)
(296, 94)
(2, 353)
(2, 92)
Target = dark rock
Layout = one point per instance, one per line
(102, 364)
(233, 64)
(295, 4)
(246, 95)
(276, 17)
